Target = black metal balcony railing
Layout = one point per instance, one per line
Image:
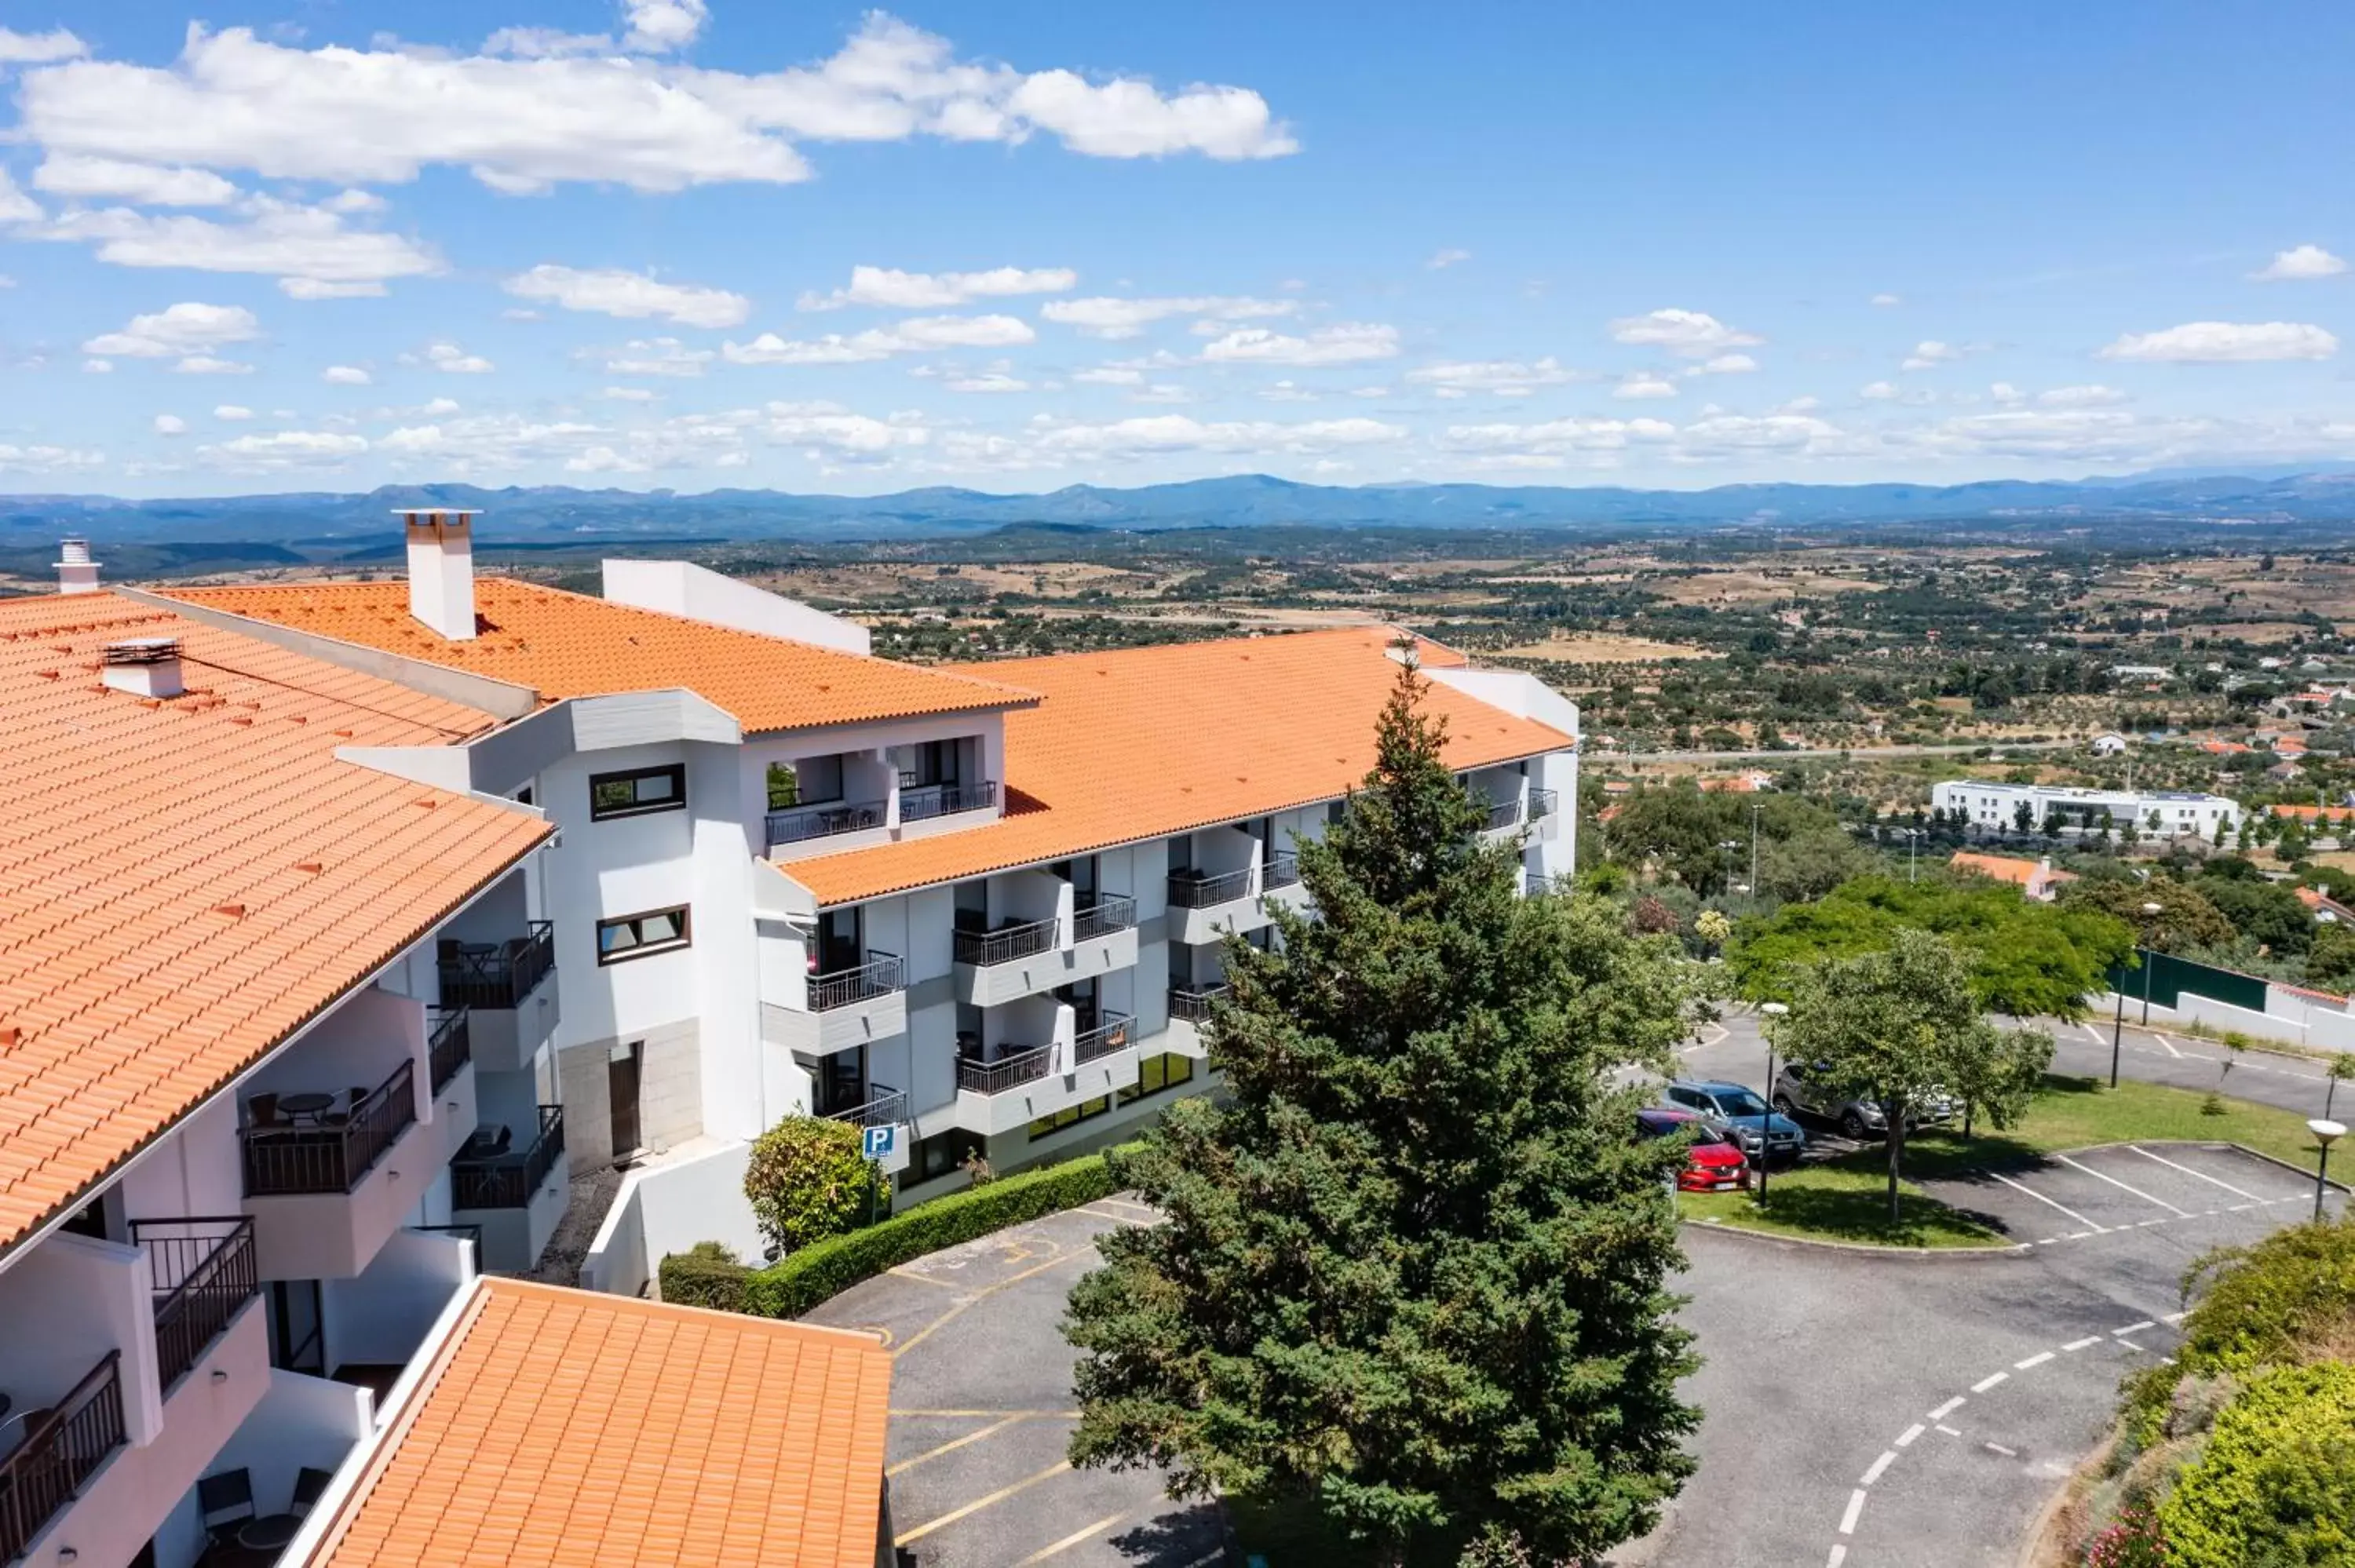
(282, 1159)
(1007, 942)
(496, 974)
(1007, 1071)
(1193, 890)
(1193, 1006)
(59, 1452)
(1113, 1033)
(1281, 872)
(880, 975)
(1111, 912)
(1542, 803)
(202, 1271)
(449, 1045)
(922, 802)
(1504, 814)
(824, 822)
(508, 1180)
(887, 1106)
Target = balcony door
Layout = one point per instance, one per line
(1081, 997)
(839, 945)
(625, 1066)
(296, 1327)
(841, 1081)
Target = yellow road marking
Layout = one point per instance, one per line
(999, 1496)
(920, 1335)
(911, 1274)
(1116, 1219)
(953, 1444)
(1075, 1539)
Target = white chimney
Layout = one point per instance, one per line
(144, 666)
(77, 573)
(442, 571)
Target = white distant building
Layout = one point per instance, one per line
(2169, 813)
(2109, 744)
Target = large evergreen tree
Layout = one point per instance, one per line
(1414, 1271)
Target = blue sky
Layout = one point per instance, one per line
(693, 243)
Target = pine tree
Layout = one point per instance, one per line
(1414, 1268)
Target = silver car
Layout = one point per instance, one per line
(1856, 1119)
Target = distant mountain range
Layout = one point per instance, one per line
(325, 526)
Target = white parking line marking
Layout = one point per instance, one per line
(2037, 1360)
(1880, 1467)
(1988, 1382)
(2169, 1044)
(1999, 1448)
(2040, 1197)
(2172, 1318)
(2091, 1031)
(1905, 1438)
(2081, 1344)
(1839, 1556)
(1948, 1409)
(2098, 1176)
(1855, 1506)
(2136, 1328)
(1949, 1431)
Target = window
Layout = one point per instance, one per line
(936, 1156)
(637, 792)
(1154, 1075)
(641, 935)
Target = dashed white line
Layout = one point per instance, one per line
(2136, 1328)
(2094, 1031)
(2037, 1360)
(1839, 1556)
(1999, 1448)
(1905, 1438)
(1949, 1431)
(1948, 1409)
(2123, 1187)
(1855, 1506)
(2081, 1344)
(2169, 1044)
(1988, 1382)
(2040, 1197)
(2172, 1318)
(1879, 1467)
(2188, 1171)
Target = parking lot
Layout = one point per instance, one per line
(2125, 1187)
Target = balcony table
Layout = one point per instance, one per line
(270, 1532)
(306, 1107)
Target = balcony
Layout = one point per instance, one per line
(1191, 890)
(1202, 910)
(55, 1451)
(1007, 1071)
(842, 1009)
(887, 1106)
(506, 990)
(1019, 1087)
(1111, 912)
(513, 1200)
(1542, 804)
(1115, 1034)
(1008, 944)
(203, 1272)
(1189, 1010)
(1026, 959)
(881, 975)
(301, 1144)
(922, 803)
(1503, 816)
(449, 1047)
(803, 824)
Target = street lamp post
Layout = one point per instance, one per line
(1754, 855)
(2326, 1133)
(1773, 1009)
(2151, 911)
(2117, 1028)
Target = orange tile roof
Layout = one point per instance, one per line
(562, 1426)
(2314, 814)
(571, 645)
(1145, 742)
(2009, 868)
(183, 883)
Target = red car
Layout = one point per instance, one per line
(1709, 1167)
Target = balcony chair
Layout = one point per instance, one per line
(225, 1502)
(261, 1111)
(310, 1485)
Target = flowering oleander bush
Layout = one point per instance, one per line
(2134, 1540)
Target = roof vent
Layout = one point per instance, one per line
(442, 570)
(144, 666)
(77, 573)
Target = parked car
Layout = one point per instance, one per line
(1735, 1113)
(1857, 1119)
(1709, 1166)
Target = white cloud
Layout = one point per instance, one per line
(437, 408)
(2003, 392)
(1694, 335)
(2080, 397)
(39, 48)
(658, 357)
(1115, 318)
(1346, 343)
(15, 207)
(345, 375)
(890, 288)
(282, 238)
(1156, 433)
(284, 450)
(47, 458)
(2219, 343)
(449, 358)
(1724, 365)
(482, 443)
(1161, 392)
(171, 425)
(1286, 392)
(540, 112)
(1886, 300)
(1732, 434)
(97, 366)
(1930, 354)
(629, 394)
(1550, 443)
(615, 293)
(1110, 376)
(179, 329)
(149, 185)
(320, 289)
(2300, 263)
(915, 335)
(232, 412)
(211, 364)
(829, 429)
(992, 381)
(1645, 384)
(1506, 378)
(1445, 258)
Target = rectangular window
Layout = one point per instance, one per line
(642, 935)
(636, 793)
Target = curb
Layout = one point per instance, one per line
(2033, 1553)
(1925, 1254)
(2292, 1170)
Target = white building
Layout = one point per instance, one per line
(2167, 813)
(980, 905)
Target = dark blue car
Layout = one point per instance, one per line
(1737, 1115)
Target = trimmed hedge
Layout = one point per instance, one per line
(792, 1284)
(705, 1275)
(2276, 1481)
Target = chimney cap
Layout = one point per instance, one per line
(461, 512)
(142, 651)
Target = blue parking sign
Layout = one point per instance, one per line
(880, 1141)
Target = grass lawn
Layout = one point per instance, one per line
(1846, 1199)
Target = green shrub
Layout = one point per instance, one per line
(705, 1275)
(2276, 1483)
(794, 1285)
(808, 1181)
